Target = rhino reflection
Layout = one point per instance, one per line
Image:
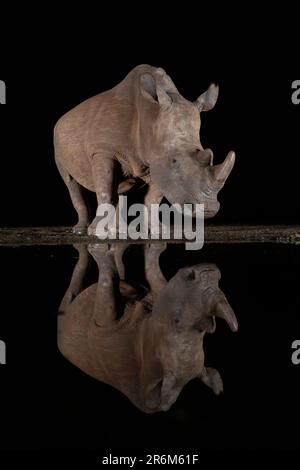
(156, 346)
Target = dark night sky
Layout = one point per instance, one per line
(49, 72)
(51, 63)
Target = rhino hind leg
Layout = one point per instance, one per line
(77, 280)
(78, 200)
(103, 167)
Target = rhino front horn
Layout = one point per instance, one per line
(222, 171)
(223, 310)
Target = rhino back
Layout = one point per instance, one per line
(73, 326)
(106, 354)
(104, 124)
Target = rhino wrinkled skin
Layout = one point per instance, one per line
(146, 346)
(140, 129)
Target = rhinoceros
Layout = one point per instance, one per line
(156, 346)
(142, 128)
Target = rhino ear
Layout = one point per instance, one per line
(148, 87)
(212, 378)
(206, 324)
(207, 100)
(153, 92)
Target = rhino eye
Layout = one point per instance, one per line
(174, 160)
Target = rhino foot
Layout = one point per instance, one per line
(92, 229)
(80, 229)
(101, 232)
(98, 249)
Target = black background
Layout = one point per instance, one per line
(49, 404)
(51, 68)
(51, 62)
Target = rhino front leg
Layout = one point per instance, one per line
(153, 196)
(103, 175)
(212, 379)
(153, 273)
(119, 250)
(105, 309)
(78, 276)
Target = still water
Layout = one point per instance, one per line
(139, 350)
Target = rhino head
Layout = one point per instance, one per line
(179, 166)
(185, 309)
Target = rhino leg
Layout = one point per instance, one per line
(153, 272)
(105, 309)
(78, 200)
(119, 250)
(212, 379)
(126, 185)
(77, 280)
(103, 176)
(153, 196)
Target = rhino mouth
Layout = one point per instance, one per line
(211, 205)
(210, 210)
(209, 214)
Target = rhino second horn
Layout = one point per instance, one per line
(206, 157)
(223, 310)
(222, 171)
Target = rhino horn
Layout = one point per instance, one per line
(222, 171)
(223, 310)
